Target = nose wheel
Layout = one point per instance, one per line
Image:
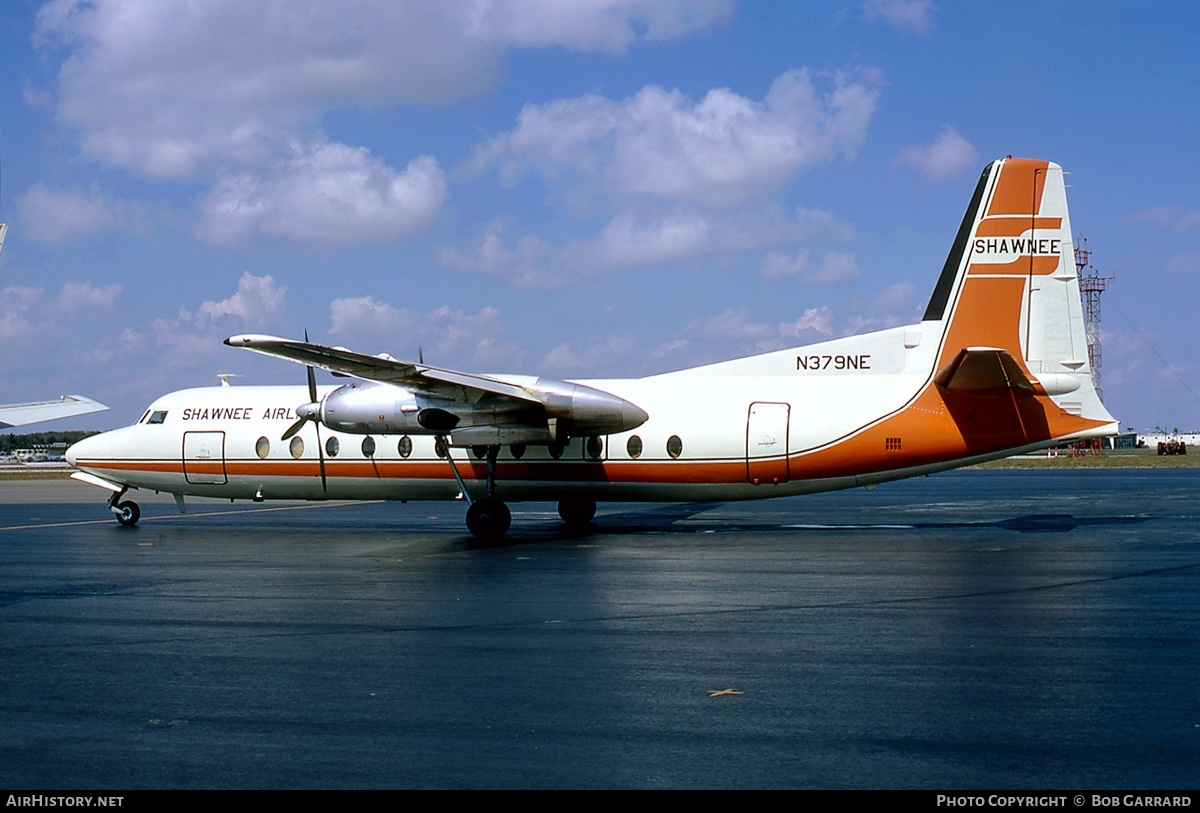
(127, 512)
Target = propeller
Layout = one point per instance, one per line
(310, 412)
(307, 412)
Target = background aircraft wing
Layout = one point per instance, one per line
(381, 368)
(22, 414)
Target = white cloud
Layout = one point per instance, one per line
(328, 194)
(189, 346)
(214, 91)
(608, 25)
(84, 297)
(950, 156)
(53, 215)
(531, 263)
(832, 267)
(1184, 264)
(258, 301)
(720, 151)
(27, 312)
(905, 15)
(898, 304)
(734, 333)
(594, 358)
(633, 240)
(447, 336)
(167, 88)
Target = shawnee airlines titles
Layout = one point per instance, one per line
(238, 414)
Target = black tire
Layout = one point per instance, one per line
(576, 512)
(128, 513)
(488, 519)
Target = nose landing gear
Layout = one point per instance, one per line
(127, 512)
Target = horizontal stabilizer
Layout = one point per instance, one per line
(982, 368)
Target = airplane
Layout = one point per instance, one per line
(37, 411)
(998, 365)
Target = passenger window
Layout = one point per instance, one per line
(297, 447)
(404, 447)
(595, 447)
(517, 450)
(674, 446)
(368, 446)
(262, 448)
(332, 447)
(634, 447)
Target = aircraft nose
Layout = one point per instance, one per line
(90, 448)
(77, 450)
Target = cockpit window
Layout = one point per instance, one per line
(145, 415)
(158, 416)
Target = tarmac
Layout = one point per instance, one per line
(979, 629)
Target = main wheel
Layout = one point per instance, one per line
(488, 518)
(128, 513)
(576, 512)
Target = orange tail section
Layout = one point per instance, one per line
(1011, 369)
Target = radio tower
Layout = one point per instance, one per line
(1091, 285)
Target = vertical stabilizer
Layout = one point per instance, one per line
(1009, 288)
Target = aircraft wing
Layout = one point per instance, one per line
(375, 368)
(22, 414)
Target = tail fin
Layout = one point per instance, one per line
(1008, 297)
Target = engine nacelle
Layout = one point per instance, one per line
(367, 407)
(583, 410)
(562, 409)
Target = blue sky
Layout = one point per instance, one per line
(582, 189)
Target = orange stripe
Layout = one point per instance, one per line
(1015, 226)
(1019, 188)
(938, 427)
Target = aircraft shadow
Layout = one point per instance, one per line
(664, 519)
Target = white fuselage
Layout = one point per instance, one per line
(768, 426)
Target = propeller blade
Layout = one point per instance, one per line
(294, 428)
(321, 458)
(311, 413)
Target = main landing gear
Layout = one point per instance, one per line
(488, 518)
(128, 513)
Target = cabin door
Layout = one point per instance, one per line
(767, 443)
(204, 458)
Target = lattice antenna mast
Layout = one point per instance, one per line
(1091, 285)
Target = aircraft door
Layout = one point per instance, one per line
(204, 458)
(767, 443)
